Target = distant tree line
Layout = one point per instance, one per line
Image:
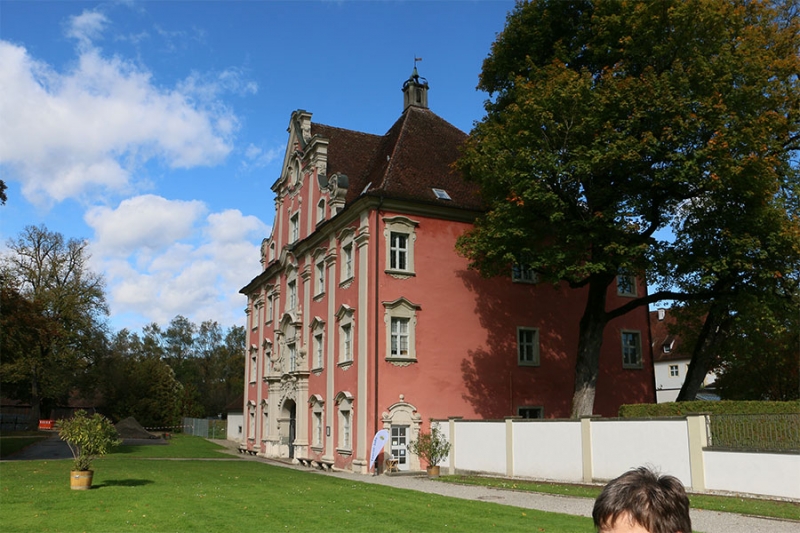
(56, 344)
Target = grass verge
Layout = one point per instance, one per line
(141, 488)
(729, 504)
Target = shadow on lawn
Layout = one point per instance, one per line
(124, 483)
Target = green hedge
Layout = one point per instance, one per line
(725, 407)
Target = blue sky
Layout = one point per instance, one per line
(155, 129)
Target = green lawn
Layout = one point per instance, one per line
(748, 506)
(141, 489)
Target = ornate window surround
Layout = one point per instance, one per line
(408, 227)
(401, 308)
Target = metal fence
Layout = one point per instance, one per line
(209, 428)
(778, 432)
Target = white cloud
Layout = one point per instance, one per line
(86, 27)
(257, 157)
(148, 221)
(89, 129)
(195, 268)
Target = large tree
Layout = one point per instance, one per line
(53, 312)
(630, 137)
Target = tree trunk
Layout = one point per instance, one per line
(36, 404)
(705, 352)
(590, 340)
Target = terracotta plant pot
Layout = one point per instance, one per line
(80, 479)
(433, 471)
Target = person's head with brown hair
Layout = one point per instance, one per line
(640, 501)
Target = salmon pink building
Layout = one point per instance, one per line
(365, 318)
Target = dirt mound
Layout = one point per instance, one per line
(131, 429)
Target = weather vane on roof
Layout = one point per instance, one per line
(416, 59)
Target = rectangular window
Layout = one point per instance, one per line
(347, 265)
(631, 349)
(398, 251)
(321, 277)
(347, 343)
(530, 412)
(318, 429)
(346, 429)
(321, 210)
(400, 337)
(528, 346)
(294, 228)
(270, 308)
(626, 285)
(292, 357)
(291, 301)
(253, 368)
(318, 350)
(523, 274)
(673, 370)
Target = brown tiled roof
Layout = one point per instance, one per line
(660, 333)
(413, 157)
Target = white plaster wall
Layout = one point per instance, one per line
(234, 427)
(619, 445)
(664, 380)
(548, 450)
(770, 474)
(481, 447)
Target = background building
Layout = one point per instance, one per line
(671, 360)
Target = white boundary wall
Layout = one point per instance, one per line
(593, 449)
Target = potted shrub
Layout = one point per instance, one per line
(432, 447)
(88, 437)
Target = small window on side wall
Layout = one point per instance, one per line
(631, 349)
(528, 346)
(626, 285)
(529, 412)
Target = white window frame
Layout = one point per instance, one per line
(270, 308)
(398, 251)
(346, 354)
(674, 371)
(291, 356)
(319, 350)
(291, 294)
(626, 285)
(627, 335)
(346, 242)
(344, 402)
(399, 338)
(320, 276)
(265, 419)
(317, 327)
(401, 308)
(524, 358)
(347, 335)
(294, 227)
(321, 210)
(400, 226)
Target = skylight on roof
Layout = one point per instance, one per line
(441, 194)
